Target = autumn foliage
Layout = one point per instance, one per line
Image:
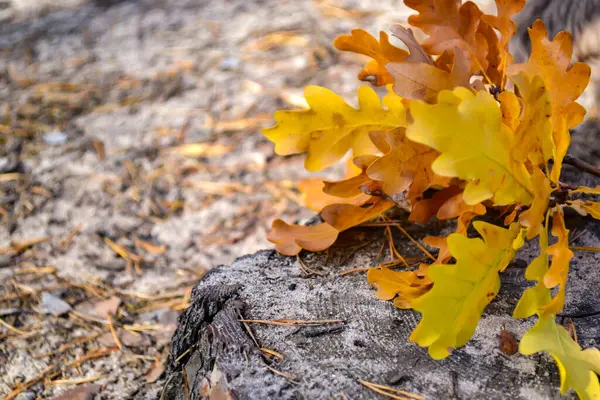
(463, 131)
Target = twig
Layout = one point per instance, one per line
(582, 165)
(293, 322)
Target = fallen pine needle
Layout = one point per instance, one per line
(384, 390)
(416, 243)
(183, 355)
(293, 322)
(353, 270)
(12, 328)
(289, 377)
(76, 381)
(272, 353)
(113, 332)
(306, 269)
(585, 248)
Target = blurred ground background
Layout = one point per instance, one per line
(131, 163)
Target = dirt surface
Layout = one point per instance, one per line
(131, 163)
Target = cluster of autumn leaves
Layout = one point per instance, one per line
(460, 120)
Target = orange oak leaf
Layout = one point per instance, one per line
(533, 218)
(424, 210)
(291, 239)
(345, 216)
(440, 242)
(417, 52)
(422, 81)
(559, 267)
(451, 25)
(382, 52)
(351, 187)
(503, 22)
(405, 165)
(455, 207)
(316, 199)
(551, 61)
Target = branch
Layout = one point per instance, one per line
(582, 165)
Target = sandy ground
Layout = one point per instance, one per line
(131, 163)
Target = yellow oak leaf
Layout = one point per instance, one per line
(587, 190)
(390, 284)
(344, 216)
(533, 217)
(559, 267)
(534, 133)
(451, 309)
(449, 26)
(551, 60)
(474, 144)
(291, 239)
(578, 368)
(422, 81)
(330, 128)
(586, 207)
(510, 108)
(405, 164)
(535, 298)
(382, 52)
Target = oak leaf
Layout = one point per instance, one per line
(422, 81)
(551, 61)
(450, 26)
(559, 268)
(586, 208)
(535, 298)
(451, 309)
(578, 368)
(503, 22)
(405, 164)
(345, 216)
(417, 52)
(474, 144)
(405, 285)
(331, 127)
(534, 133)
(533, 217)
(382, 52)
(316, 199)
(291, 239)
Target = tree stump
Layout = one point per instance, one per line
(216, 356)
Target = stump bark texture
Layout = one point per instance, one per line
(216, 356)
